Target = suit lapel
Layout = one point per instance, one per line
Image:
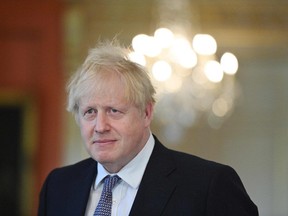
(80, 189)
(157, 185)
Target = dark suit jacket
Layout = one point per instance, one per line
(174, 183)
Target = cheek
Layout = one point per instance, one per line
(86, 131)
(133, 129)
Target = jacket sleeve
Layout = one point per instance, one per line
(42, 199)
(227, 195)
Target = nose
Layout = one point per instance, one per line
(101, 123)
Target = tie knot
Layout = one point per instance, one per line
(110, 182)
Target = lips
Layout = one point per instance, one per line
(104, 141)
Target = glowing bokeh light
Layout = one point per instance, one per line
(220, 107)
(229, 63)
(213, 71)
(161, 71)
(204, 44)
(164, 37)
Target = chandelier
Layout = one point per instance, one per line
(192, 83)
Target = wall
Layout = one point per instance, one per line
(31, 77)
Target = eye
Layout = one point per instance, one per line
(115, 113)
(112, 110)
(89, 111)
(90, 114)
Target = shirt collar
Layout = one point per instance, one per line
(133, 172)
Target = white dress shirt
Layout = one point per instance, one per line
(125, 191)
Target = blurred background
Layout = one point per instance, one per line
(239, 119)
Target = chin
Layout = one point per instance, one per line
(103, 159)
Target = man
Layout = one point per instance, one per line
(112, 99)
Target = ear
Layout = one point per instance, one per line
(148, 113)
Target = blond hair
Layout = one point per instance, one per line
(103, 61)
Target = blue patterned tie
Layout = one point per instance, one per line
(105, 203)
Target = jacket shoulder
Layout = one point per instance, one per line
(66, 189)
(75, 170)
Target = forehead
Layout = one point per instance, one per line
(105, 88)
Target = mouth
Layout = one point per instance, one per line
(103, 142)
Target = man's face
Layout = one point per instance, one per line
(114, 130)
